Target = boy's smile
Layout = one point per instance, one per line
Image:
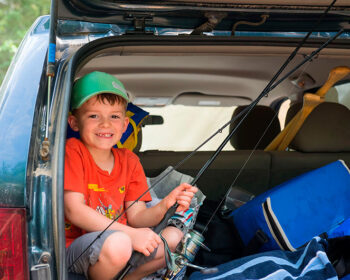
(100, 124)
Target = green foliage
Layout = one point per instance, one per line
(16, 17)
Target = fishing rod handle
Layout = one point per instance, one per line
(163, 223)
(123, 272)
(136, 256)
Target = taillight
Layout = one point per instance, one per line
(13, 244)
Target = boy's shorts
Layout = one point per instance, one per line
(91, 255)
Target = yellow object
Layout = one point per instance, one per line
(136, 116)
(131, 142)
(310, 102)
(95, 188)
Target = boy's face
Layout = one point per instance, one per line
(100, 124)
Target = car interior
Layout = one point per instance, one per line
(194, 91)
(229, 78)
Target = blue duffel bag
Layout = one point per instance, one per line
(291, 214)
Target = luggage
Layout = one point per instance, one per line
(291, 214)
(219, 237)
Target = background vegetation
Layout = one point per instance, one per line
(16, 16)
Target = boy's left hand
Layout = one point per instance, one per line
(183, 195)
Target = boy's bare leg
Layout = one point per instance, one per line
(173, 236)
(114, 255)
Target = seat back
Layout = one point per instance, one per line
(326, 130)
(324, 137)
(261, 123)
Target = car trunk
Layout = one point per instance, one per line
(234, 69)
(222, 71)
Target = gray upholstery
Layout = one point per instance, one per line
(286, 165)
(263, 171)
(326, 130)
(216, 180)
(324, 138)
(248, 134)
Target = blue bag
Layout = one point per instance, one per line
(292, 213)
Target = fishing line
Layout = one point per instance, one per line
(271, 88)
(171, 211)
(246, 111)
(245, 163)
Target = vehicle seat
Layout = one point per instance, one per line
(322, 139)
(327, 129)
(253, 127)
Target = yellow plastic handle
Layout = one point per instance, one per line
(334, 76)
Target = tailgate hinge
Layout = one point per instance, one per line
(139, 21)
(213, 19)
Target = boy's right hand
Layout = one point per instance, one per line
(144, 240)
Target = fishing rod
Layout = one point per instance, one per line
(171, 211)
(266, 90)
(246, 111)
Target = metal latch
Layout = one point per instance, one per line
(40, 272)
(139, 21)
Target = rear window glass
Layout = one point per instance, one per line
(343, 92)
(186, 127)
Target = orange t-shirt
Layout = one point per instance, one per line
(104, 192)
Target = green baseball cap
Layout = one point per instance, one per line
(93, 84)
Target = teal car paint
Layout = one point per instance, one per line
(31, 188)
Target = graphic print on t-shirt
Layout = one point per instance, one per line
(122, 189)
(106, 211)
(108, 205)
(95, 188)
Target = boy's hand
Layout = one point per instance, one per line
(144, 240)
(183, 195)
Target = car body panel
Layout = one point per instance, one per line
(17, 104)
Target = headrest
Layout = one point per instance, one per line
(326, 129)
(252, 128)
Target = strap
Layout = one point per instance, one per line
(254, 245)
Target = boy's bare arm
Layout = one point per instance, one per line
(83, 216)
(140, 216)
(78, 213)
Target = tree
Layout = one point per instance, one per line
(16, 17)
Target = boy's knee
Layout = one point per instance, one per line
(116, 249)
(173, 236)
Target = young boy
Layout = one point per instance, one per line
(101, 181)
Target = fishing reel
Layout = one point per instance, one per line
(185, 253)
